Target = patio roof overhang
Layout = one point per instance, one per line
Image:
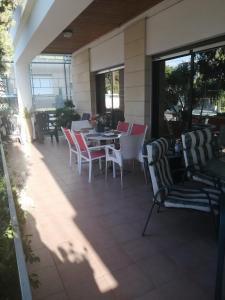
(99, 18)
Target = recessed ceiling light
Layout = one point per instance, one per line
(67, 33)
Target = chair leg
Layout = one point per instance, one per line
(90, 170)
(100, 164)
(79, 165)
(121, 177)
(148, 218)
(114, 170)
(159, 206)
(70, 158)
(145, 175)
(106, 170)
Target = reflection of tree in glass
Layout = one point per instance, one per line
(210, 75)
(112, 82)
(177, 86)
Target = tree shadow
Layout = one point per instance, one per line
(91, 250)
(64, 273)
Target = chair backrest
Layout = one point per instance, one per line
(81, 143)
(123, 126)
(197, 147)
(138, 129)
(68, 136)
(158, 164)
(130, 146)
(86, 116)
(77, 125)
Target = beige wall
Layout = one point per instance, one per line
(135, 72)
(81, 81)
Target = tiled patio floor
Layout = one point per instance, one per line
(88, 236)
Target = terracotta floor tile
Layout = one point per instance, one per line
(88, 236)
(50, 283)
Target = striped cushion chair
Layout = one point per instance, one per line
(198, 150)
(165, 192)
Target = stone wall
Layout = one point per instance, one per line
(135, 73)
(81, 81)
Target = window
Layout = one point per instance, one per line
(109, 90)
(188, 89)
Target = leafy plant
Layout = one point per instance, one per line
(9, 283)
(66, 114)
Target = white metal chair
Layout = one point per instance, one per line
(77, 125)
(129, 149)
(88, 154)
(71, 143)
(137, 129)
(124, 127)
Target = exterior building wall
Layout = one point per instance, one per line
(134, 72)
(183, 23)
(108, 53)
(81, 81)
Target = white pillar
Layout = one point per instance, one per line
(24, 94)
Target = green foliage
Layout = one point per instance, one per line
(6, 9)
(177, 84)
(9, 283)
(66, 114)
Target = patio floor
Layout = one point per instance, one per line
(88, 236)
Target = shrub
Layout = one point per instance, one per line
(66, 114)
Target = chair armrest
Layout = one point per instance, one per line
(110, 147)
(96, 147)
(165, 189)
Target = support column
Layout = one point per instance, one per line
(81, 81)
(135, 73)
(24, 94)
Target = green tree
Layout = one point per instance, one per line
(6, 11)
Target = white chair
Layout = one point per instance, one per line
(129, 149)
(77, 125)
(71, 143)
(137, 129)
(124, 127)
(87, 154)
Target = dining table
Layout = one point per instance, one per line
(103, 136)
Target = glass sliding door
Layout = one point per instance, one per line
(173, 94)
(209, 83)
(187, 90)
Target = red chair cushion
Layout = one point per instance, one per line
(122, 126)
(138, 129)
(94, 153)
(80, 141)
(68, 135)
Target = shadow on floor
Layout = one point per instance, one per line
(88, 236)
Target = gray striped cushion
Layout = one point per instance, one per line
(158, 164)
(197, 146)
(181, 196)
(192, 198)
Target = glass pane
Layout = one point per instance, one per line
(116, 89)
(209, 84)
(174, 87)
(108, 90)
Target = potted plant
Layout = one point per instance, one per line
(66, 114)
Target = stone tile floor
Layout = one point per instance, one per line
(88, 236)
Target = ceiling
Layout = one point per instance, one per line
(100, 17)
